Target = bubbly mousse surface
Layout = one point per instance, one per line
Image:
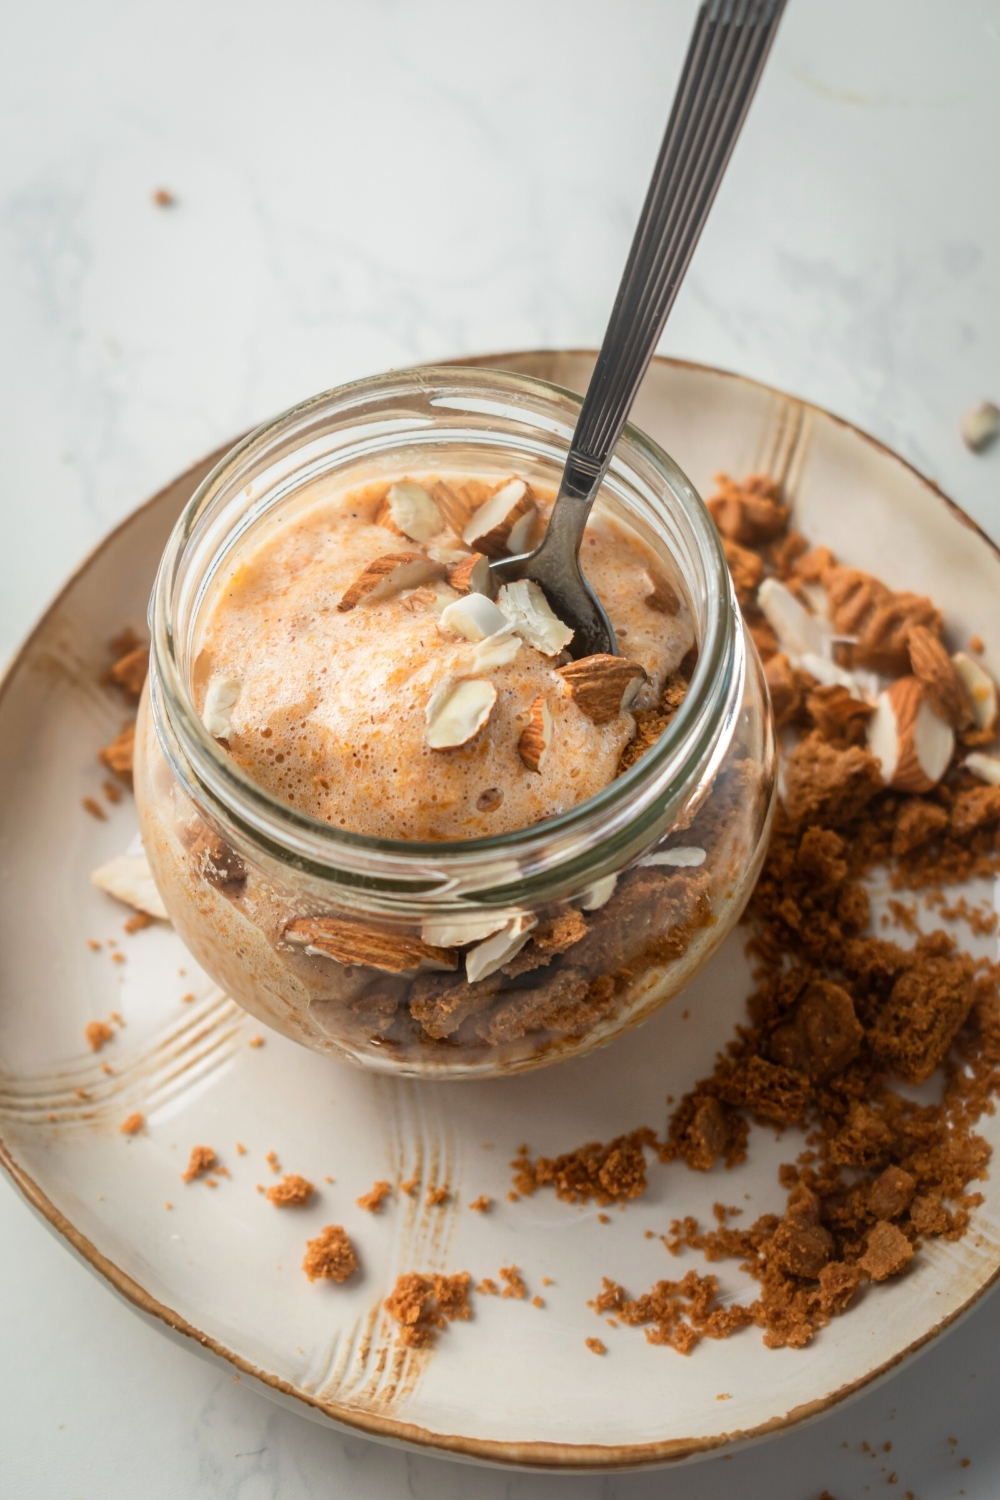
(327, 707)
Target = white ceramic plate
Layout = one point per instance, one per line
(516, 1384)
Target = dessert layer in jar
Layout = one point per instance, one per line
(356, 662)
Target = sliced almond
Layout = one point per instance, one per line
(349, 943)
(488, 529)
(520, 533)
(603, 686)
(686, 858)
(986, 767)
(499, 949)
(912, 744)
(497, 650)
(935, 671)
(599, 894)
(409, 509)
(798, 631)
(220, 699)
(471, 575)
(454, 504)
(528, 610)
(457, 712)
(474, 617)
(533, 746)
(129, 879)
(661, 596)
(828, 674)
(459, 928)
(388, 574)
(981, 690)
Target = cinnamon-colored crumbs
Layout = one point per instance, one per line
(94, 808)
(422, 1305)
(137, 921)
(97, 1033)
(436, 1197)
(292, 1191)
(596, 1346)
(374, 1198)
(513, 1285)
(481, 1204)
(330, 1256)
(537, 1301)
(132, 1125)
(118, 756)
(202, 1160)
(488, 1287)
(409, 1187)
(256, 1041)
(837, 1014)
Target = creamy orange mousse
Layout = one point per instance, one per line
(357, 660)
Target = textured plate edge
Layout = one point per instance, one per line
(540, 1457)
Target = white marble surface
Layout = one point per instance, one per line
(361, 186)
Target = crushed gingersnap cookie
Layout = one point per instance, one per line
(202, 1160)
(330, 1256)
(608, 1174)
(372, 1200)
(423, 1304)
(292, 1191)
(118, 755)
(97, 1033)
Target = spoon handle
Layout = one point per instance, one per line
(724, 62)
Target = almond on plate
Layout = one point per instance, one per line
(504, 523)
(981, 690)
(936, 672)
(409, 510)
(457, 712)
(533, 746)
(603, 686)
(388, 575)
(911, 742)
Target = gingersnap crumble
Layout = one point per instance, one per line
(837, 1014)
(437, 1197)
(292, 1191)
(330, 1256)
(133, 1124)
(119, 754)
(202, 1160)
(513, 1285)
(372, 1200)
(481, 1205)
(651, 722)
(596, 1346)
(608, 1174)
(97, 1033)
(130, 665)
(422, 1305)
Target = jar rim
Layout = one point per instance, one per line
(598, 835)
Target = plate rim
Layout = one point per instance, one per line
(528, 1455)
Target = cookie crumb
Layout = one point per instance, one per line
(94, 808)
(514, 1286)
(488, 1287)
(130, 1126)
(202, 1160)
(409, 1187)
(164, 198)
(292, 1191)
(330, 1256)
(137, 921)
(372, 1200)
(436, 1197)
(256, 1041)
(422, 1305)
(481, 1205)
(241, 1150)
(186, 999)
(537, 1302)
(97, 1033)
(596, 1346)
(272, 1160)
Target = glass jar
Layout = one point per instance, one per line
(645, 879)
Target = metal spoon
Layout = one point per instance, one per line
(725, 59)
